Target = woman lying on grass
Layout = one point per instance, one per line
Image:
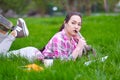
(65, 45)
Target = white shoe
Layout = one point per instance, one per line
(21, 28)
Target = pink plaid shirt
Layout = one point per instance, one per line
(60, 46)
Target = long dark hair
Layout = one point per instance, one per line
(67, 18)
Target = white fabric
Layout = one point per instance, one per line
(6, 43)
(3, 36)
(30, 53)
(18, 28)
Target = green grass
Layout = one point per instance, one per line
(102, 32)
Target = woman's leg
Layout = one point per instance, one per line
(6, 43)
(19, 31)
(30, 53)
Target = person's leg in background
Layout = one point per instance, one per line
(19, 31)
(5, 27)
(6, 43)
(30, 53)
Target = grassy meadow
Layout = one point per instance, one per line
(101, 32)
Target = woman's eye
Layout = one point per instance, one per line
(73, 22)
(79, 24)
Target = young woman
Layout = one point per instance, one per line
(66, 44)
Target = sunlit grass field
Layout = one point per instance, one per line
(101, 32)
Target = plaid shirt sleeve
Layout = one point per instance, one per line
(56, 48)
(59, 48)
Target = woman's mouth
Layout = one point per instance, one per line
(75, 31)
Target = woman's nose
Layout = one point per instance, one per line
(76, 26)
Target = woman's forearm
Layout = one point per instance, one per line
(77, 52)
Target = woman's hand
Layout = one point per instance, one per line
(79, 48)
(81, 41)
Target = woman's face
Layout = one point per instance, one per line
(73, 26)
